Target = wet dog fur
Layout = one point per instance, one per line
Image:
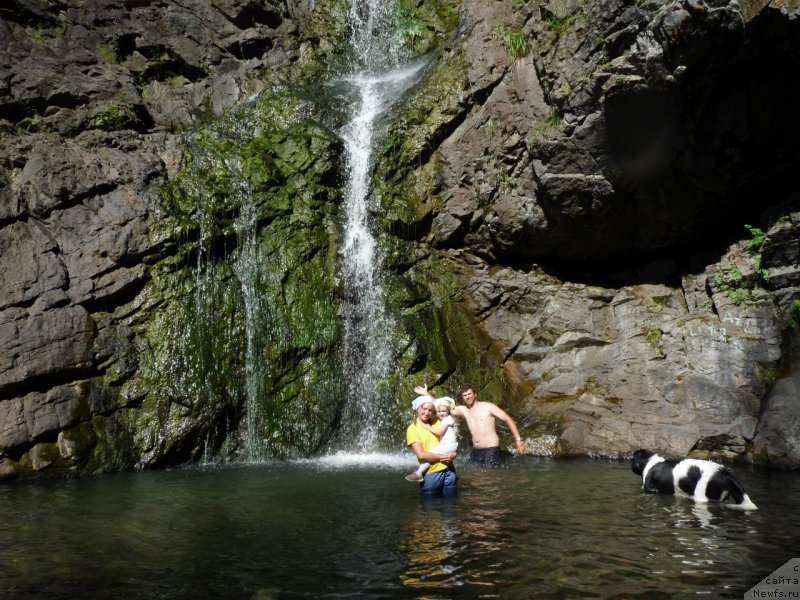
(702, 480)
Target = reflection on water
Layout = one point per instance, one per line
(429, 546)
(352, 527)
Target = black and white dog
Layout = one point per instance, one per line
(701, 480)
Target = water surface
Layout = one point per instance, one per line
(352, 527)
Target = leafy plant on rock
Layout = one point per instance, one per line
(731, 279)
(109, 119)
(516, 43)
(754, 246)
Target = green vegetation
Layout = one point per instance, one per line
(44, 32)
(653, 336)
(32, 123)
(740, 296)
(516, 43)
(769, 375)
(107, 54)
(551, 123)
(732, 280)
(794, 315)
(754, 247)
(109, 118)
(558, 25)
(421, 26)
(440, 339)
(415, 129)
(740, 288)
(407, 25)
(758, 238)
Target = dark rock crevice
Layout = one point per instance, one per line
(47, 381)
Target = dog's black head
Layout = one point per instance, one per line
(639, 461)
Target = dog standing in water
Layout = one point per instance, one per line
(701, 480)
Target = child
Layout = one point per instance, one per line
(445, 430)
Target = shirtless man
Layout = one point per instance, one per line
(480, 417)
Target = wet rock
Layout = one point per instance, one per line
(7, 470)
(774, 444)
(75, 444)
(91, 101)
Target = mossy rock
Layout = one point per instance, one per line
(114, 449)
(247, 312)
(75, 444)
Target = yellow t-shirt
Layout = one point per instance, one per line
(417, 433)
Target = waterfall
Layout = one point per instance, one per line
(376, 82)
(247, 266)
(255, 348)
(215, 297)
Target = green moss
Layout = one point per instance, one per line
(46, 32)
(44, 456)
(247, 308)
(77, 443)
(419, 124)
(107, 54)
(442, 344)
(653, 336)
(114, 449)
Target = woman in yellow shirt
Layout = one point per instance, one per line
(441, 478)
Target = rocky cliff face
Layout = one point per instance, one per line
(588, 183)
(95, 249)
(565, 200)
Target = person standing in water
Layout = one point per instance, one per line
(445, 431)
(481, 418)
(440, 479)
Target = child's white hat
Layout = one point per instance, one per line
(445, 401)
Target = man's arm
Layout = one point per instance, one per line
(499, 413)
(431, 457)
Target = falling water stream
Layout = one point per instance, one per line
(378, 80)
(247, 268)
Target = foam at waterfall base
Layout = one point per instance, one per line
(370, 460)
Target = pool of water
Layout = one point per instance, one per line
(352, 527)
